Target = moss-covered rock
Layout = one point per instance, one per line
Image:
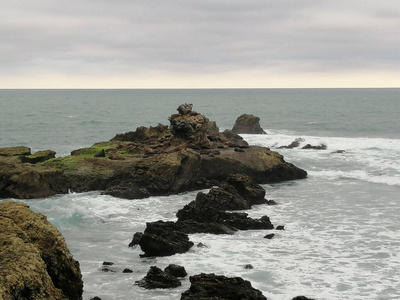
(34, 258)
(38, 157)
(15, 151)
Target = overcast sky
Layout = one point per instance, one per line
(199, 44)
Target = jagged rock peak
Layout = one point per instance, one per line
(185, 109)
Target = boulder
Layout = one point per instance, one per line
(252, 192)
(163, 239)
(211, 286)
(175, 270)
(248, 124)
(294, 144)
(158, 279)
(318, 147)
(34, 258)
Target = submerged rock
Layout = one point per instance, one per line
(175, 270)
(34, 258)
(211, 286)
(248, 124)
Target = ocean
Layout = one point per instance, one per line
(342, 228)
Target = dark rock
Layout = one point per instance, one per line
(269, 236)
(107, 263)
(34, 258)
(249, 267)
(252, 192)
(136, 239)
(163, 239)
(126, 270)
(239, 150)
(280, 227)
(201, 245)
(211, 286)
(319, 147)
(95, 298)
(301, 298)
(294, 144)
(248, 124)
(158, 279)
(339, 151)
(102, 153)
(175, 270)
(107, 269)
(271, 202)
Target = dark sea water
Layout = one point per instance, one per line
(342, 237)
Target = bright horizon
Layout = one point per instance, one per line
(199, 45)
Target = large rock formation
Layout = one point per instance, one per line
(35, 262)
(218, 287)
(189, 154)
(248, 124)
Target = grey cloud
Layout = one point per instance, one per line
(210, 36)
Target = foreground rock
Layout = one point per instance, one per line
(35, 261)
(211, 286)
(248, 124)
(190, 154)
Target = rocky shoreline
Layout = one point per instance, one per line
(190, 154)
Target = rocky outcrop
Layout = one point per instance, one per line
(164, 239)
(158, 279)
(190, 154)
(211, 286)
(206, 214)
(38, 157)
(35, 261)
(248, 124)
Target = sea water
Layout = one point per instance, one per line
(342, 228)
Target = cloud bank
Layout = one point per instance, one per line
(185, 43)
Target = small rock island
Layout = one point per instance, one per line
(191, 153)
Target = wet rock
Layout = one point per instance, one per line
(252, 192)
(164, 239)
(249, 267)
(248, 124)
(34, 258)
(211, 286)
(175, 270)
(135, 240)
(269, 236)
(280, 227)
(126, 270)
(294, 144)
(158, 279)
(95, 298)
(107, 263)
(319, 147)
(301, 298)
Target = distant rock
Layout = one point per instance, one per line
(211, 286)
(318, 147)
(294, 144)
(158, 279)
(34, 258)
(248, 124)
